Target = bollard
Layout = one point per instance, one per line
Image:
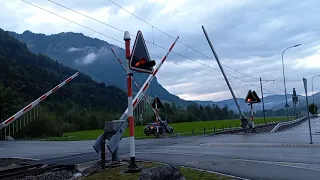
(222, 127)
(230, 126)
(192, 131)
(204, 130)
(214, 129)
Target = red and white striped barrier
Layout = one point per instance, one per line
(134, 82)
(142, 91)
(36, 102)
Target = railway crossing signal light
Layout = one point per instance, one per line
(252, 97)
(140, 60)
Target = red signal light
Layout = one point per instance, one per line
(249, 99)
(141, 62)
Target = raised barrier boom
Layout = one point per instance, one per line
(36, 102)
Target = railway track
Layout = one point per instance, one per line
(258, 129)
(28, 170)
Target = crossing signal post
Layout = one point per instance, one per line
(294, 101)
(156, 104)
(252, 98)
(139, 60)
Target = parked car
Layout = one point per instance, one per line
(151, 128)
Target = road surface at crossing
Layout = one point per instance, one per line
(282, 155)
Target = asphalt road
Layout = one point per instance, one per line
(283, 155)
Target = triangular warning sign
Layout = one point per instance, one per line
(252, 97)
(140, 60)
(256, 96)
(159, 103)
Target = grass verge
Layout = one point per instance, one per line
(185, 127)
(118, 173)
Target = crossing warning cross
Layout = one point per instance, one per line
(252, 97)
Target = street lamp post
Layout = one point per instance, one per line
(313, 92)
(284, 79)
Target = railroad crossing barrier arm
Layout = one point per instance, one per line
(36, 102)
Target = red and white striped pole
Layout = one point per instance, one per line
(252, 119)
(36, 102)
(133, 167)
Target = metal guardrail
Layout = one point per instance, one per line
(287, 124)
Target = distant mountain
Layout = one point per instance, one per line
(91, 56)
(273, 102)
(32, 75)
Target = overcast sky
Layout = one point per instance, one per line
(248, 36)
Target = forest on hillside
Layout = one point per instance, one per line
(82, 104)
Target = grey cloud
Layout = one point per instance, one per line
(248, 36)
(75, 49)
(92, 55)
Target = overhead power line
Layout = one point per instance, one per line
(123, 43)
(178, 40)
(154, 43)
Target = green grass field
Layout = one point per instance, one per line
(181, 128)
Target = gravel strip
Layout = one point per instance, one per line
(52, 175)
(8, 163)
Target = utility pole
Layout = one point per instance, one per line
(264, 114)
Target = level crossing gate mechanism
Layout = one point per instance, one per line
(36, 102)
(135, 83)
(141, 63)
(252, 98)
(142, 91)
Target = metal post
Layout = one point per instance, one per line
(103, 153)
(264, 114)
(252, 118)
(225, 76)
(284, 79)
(115, 156)
(156, 106)
(133, 167)
(307, 108)
(313, 93)
(13, 128)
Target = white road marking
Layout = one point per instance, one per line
(25, 158)
(314, 167)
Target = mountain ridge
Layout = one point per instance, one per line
(91, 56)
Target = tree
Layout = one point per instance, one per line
(9, 101)
(313, 109)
